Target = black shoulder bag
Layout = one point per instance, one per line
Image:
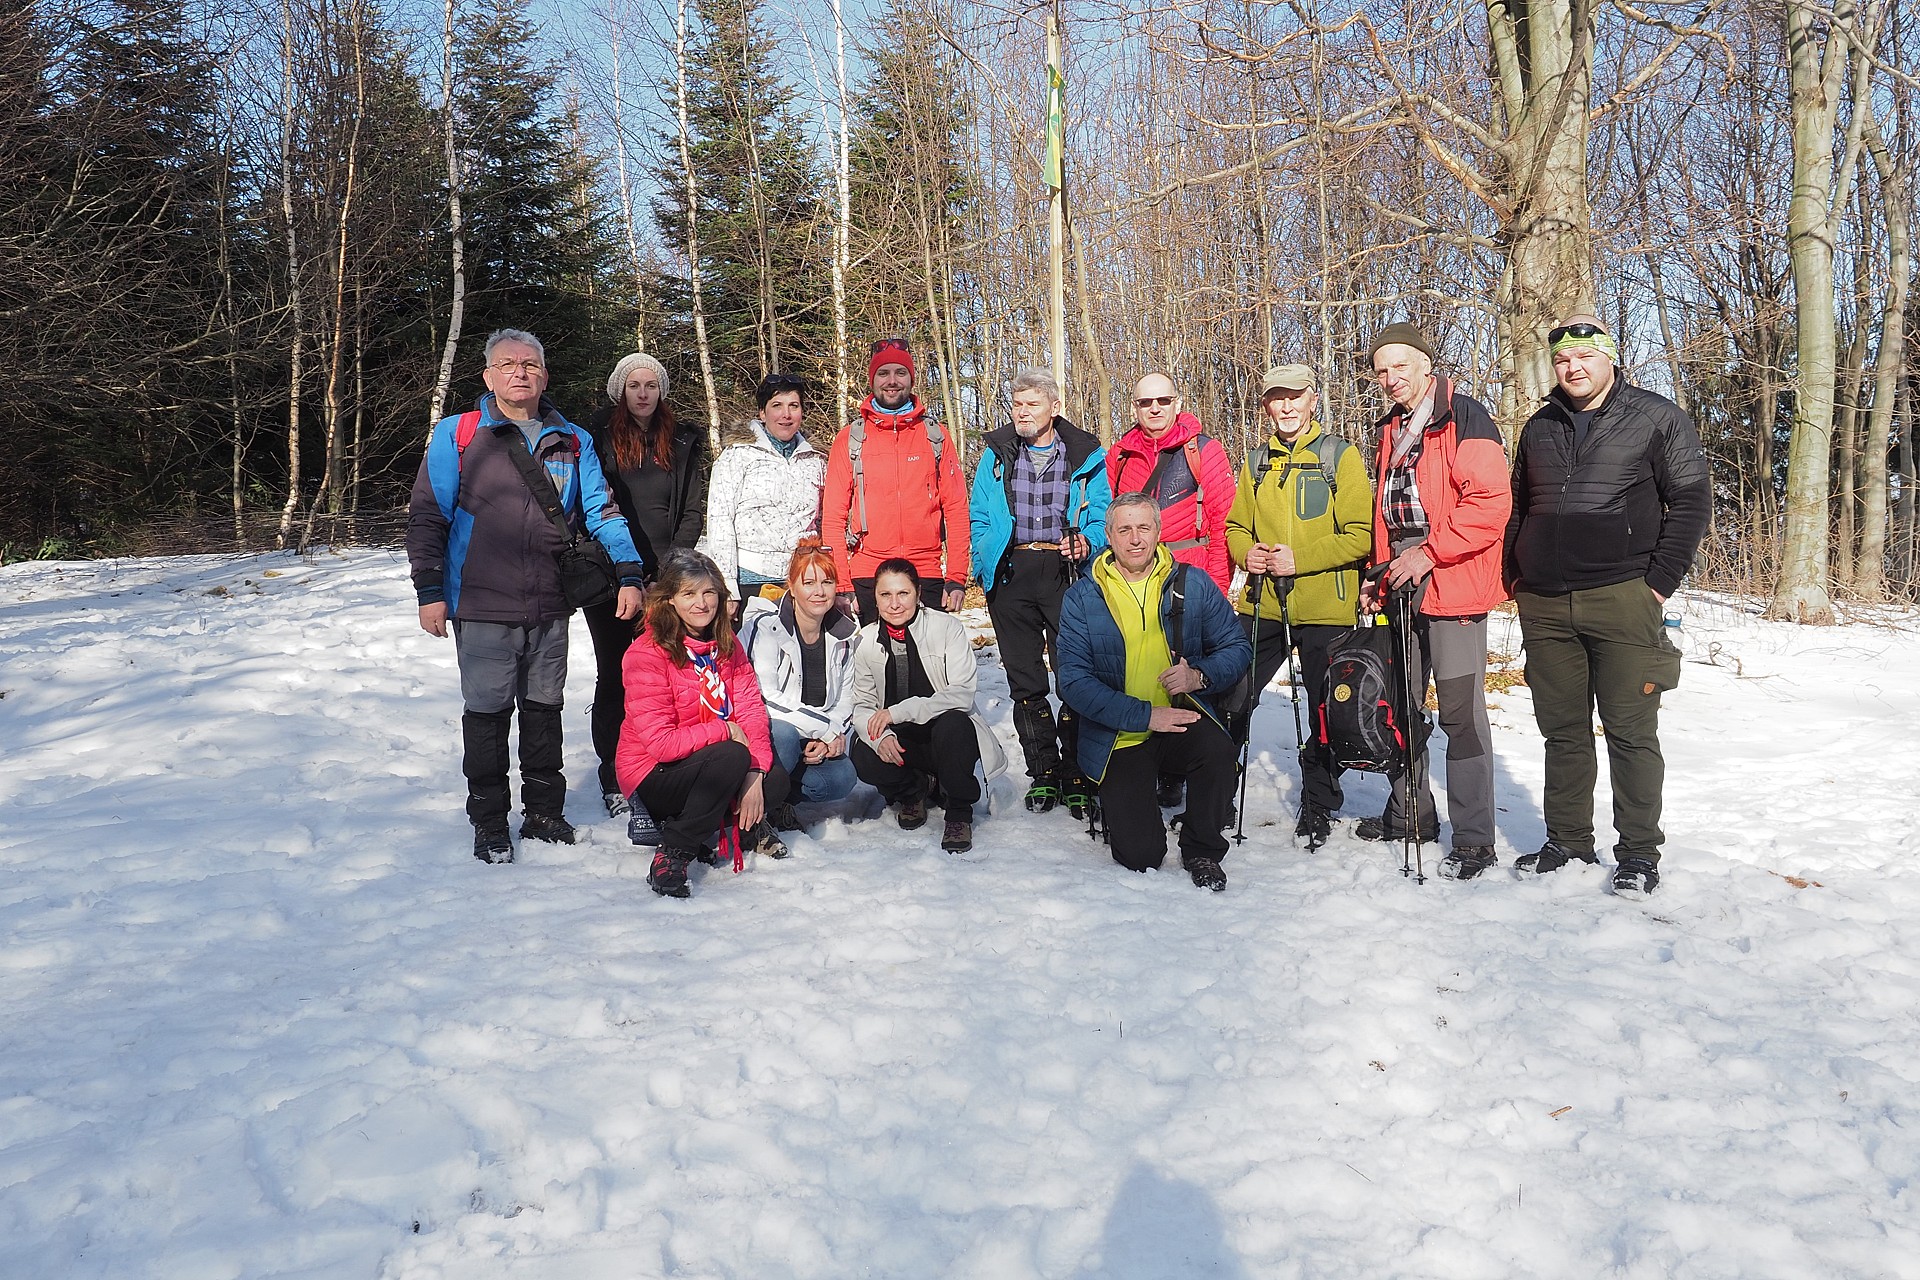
(586, 570)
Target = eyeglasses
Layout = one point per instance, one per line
(1581, 330)
(528, 367)
(1146, 402)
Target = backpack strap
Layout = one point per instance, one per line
(463, 433)
(1192, 450)
(1177, 588)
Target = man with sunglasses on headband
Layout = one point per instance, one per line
(894, 488)
(1610, 500)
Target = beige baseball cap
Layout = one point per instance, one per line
(1287, 377)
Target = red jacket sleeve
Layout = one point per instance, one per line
(653, 714)
(1217, 478)
(749, 708)
(1482, 501)
(836, 500)
(956, 513)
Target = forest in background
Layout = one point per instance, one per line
(249, 251)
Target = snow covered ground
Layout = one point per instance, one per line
(262, 1014)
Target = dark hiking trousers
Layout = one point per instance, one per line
(1025, 607)
(693, 797)
(1204, 756)
(502, 666)
(945, 747)
(1600, 648)
(611, 639)
(1318, 777)
(1453, 653)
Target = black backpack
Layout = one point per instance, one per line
(1364, 716)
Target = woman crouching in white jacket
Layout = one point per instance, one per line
(802, 652)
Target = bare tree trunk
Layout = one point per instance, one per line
(842, 223)
(294, 298)
(1816, 74)
(1846, 451)
(1870, 570)
(693, 229)
(458, 309)
(626, 188)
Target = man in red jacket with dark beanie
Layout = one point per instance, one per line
(895, 488)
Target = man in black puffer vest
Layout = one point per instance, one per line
(1610, 501)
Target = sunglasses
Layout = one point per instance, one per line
(785, 382)
(1147, 402)
(887, 344)
(1581, 330)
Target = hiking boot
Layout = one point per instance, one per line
(957, 837)
(550, 827)
(641, 828)
(1206, 872)
(1078, 795)
(1314, 826)
(615, 802)
(1551, 857)
(784, 818)
(1042, 796)
(1467, 861)
(760, 839)
(668, 875)
(491, 843)
(1635, 878)
(1379, 829)
(912, 812)
(1170, 791)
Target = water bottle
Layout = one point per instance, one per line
(1672, 625)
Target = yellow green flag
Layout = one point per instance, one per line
(1056, 129)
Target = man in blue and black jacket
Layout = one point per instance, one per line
(482, 551)
(1038, 514)
(1610, 501)
(1145, 647)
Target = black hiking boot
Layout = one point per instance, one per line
(784, 818)
(1380, 829)
(1551, 857)
(760, 839)
(1206, 872)
(615, 802)
(957, 837)
(1170, 791)
(1077, 794)
(1043, 795)
(1635, 878)
(491, 843)
(668, 875)
(550, 827)
(1314, 825)
(1467, 861)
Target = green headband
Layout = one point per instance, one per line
(1601, 342)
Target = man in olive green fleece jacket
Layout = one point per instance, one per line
(1302, 541)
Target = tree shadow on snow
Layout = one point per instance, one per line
(1163, 1229)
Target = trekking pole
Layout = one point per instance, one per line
(1253, 700)
(1299, 737)
(1414, 692)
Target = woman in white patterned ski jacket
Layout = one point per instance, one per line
(765, 493)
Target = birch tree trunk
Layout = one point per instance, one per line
(1870, 570)
(458, 308)
(626, 188)
(693, 229)
(294, 297)
(842, 225)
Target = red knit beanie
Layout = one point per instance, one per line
(889, 351)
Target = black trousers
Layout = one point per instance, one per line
(1204, 756)
(611, 638)
(691, 798)
(931, 589)
(1318, 776)
(945, 747)
(1025, 607)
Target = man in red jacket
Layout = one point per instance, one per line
(1167, 457)
(894, 488)
(1439, 524)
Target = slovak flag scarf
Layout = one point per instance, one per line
(714, 702)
